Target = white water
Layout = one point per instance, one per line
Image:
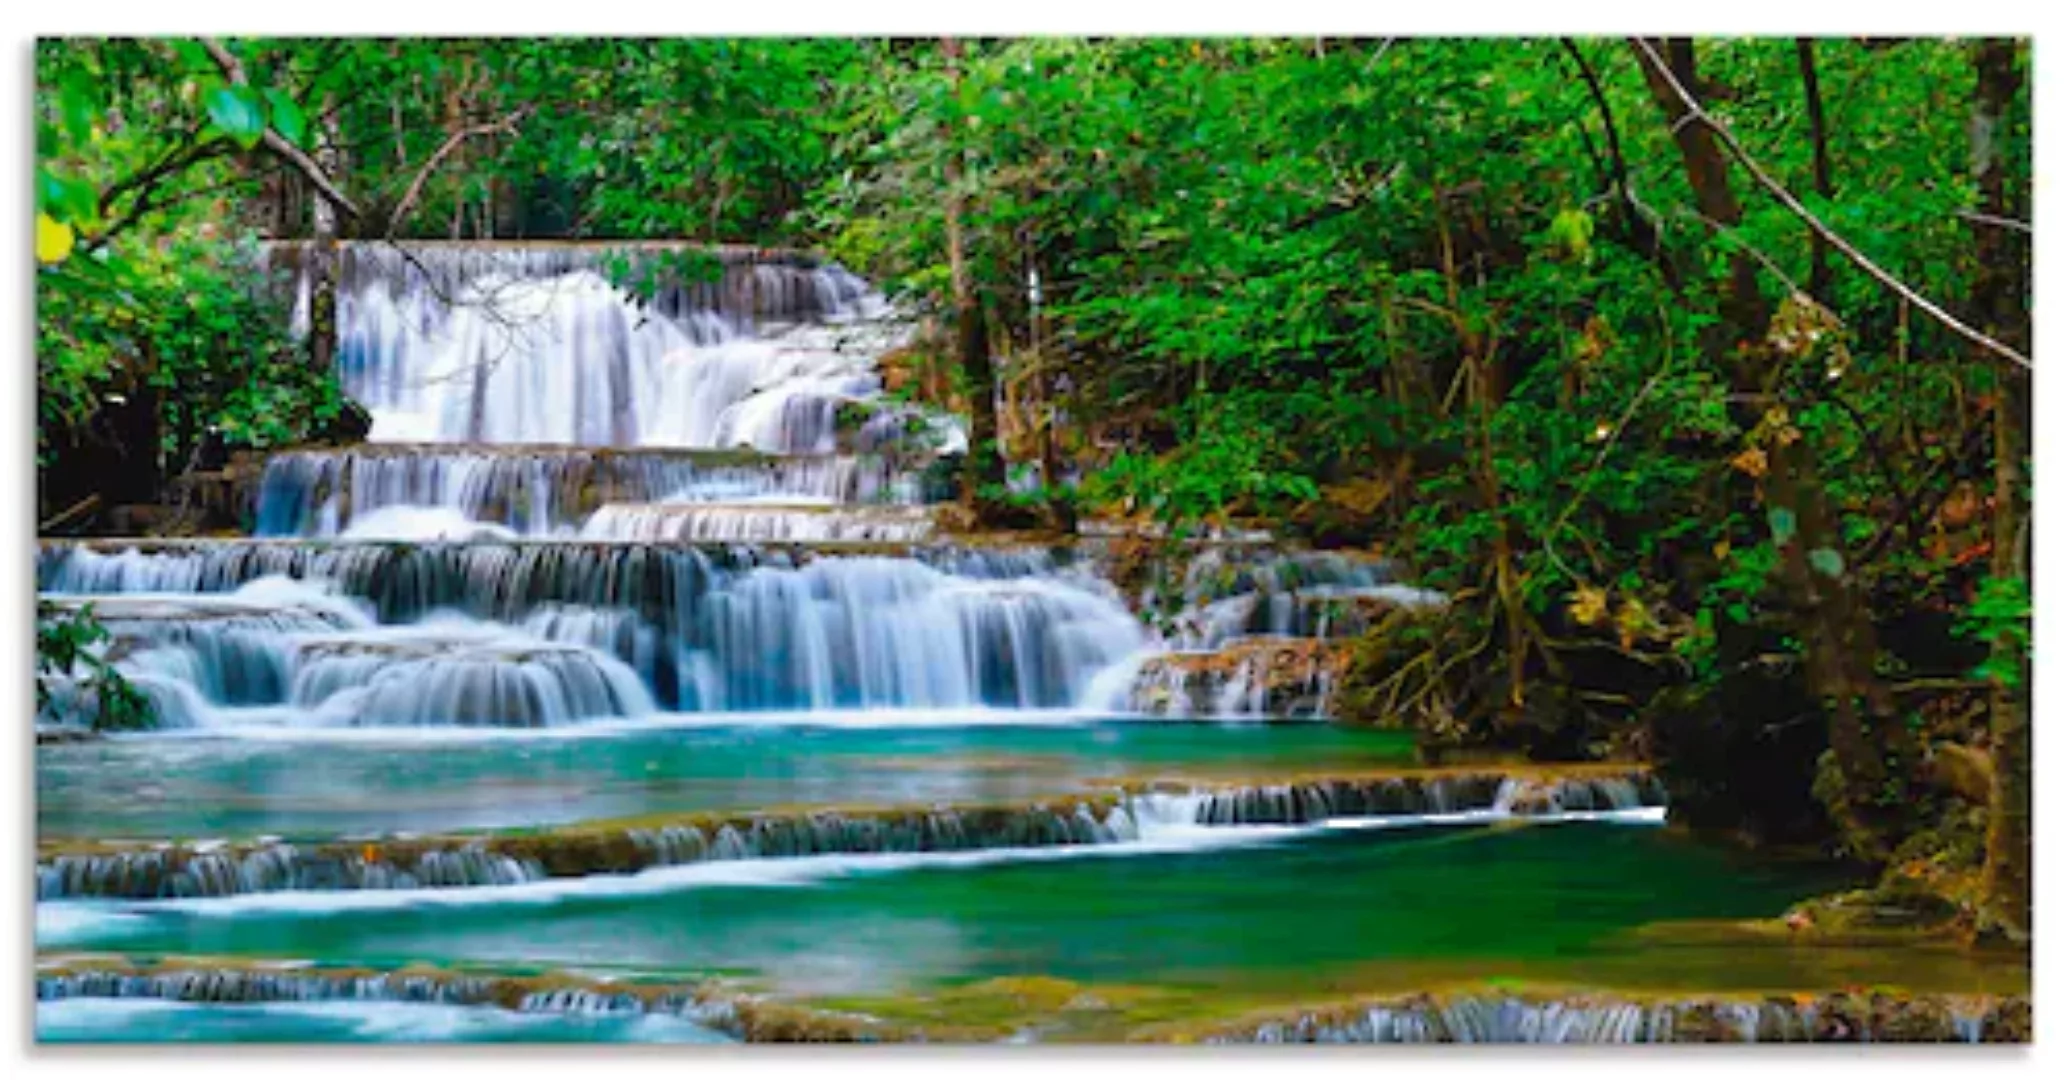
(155, 1020)
(766, 521)
(407, 522)
(496, 348)
(514, 366)
(847, 634)
(85, 923)
(1162, 825)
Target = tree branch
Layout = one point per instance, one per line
(1820, 160)
(276, 142)
(1979, 218)
(1696, 115)
(507, 125)
(145, 184)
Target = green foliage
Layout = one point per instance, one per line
(1221, 475)
(67, 648)
(193, 325)
(2001, 617)
(238, 112)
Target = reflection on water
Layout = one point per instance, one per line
(242, 787)
(1329, 911)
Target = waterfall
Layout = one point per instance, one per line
(449, 673)
(767, 522)
(875, 632)
(1258, 633)
(468, 343)
(544, 491)
(576, 506)
(217, 869)
(1600, 1019)
(1478, 1018)
(544, 633)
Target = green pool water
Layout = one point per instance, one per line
(1322, 913)
(241, 786)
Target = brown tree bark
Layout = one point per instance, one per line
(2001, 307)
(1709, 177)
(1830, 616)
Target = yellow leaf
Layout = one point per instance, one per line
(1589, 605)
(1634, 621)
(53, 240)
(1752, 462)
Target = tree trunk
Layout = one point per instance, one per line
(1831, 618)
(1709, 175)
(2001, 307)
(983, 468)
(1061, 512)
(1820, 163)
(321, 262)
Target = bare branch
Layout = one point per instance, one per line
(275, 141)
(1980, 218)
(507, 125)
(1697, 115)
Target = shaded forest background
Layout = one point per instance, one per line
(1695, 371)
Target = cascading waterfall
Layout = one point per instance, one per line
(879, 632)
(1231, 593)
(523, 387)
(577, 628)
(605, 486)
(515, 345)
(544, 491)
(1596, 1019)
(461, 675)
(1257, 632)
(213, 869)
(763, 523)
(1471, 1018)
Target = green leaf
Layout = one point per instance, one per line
(238, 112)
(74, 202)
(1827, 562)
(1781, 521)
(193, 58)
(287, 117)
(79, 103)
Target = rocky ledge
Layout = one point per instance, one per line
(147, 870)
(1608, 1018)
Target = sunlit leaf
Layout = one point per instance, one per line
(53, 240)
(237, 112)
(287, 117)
